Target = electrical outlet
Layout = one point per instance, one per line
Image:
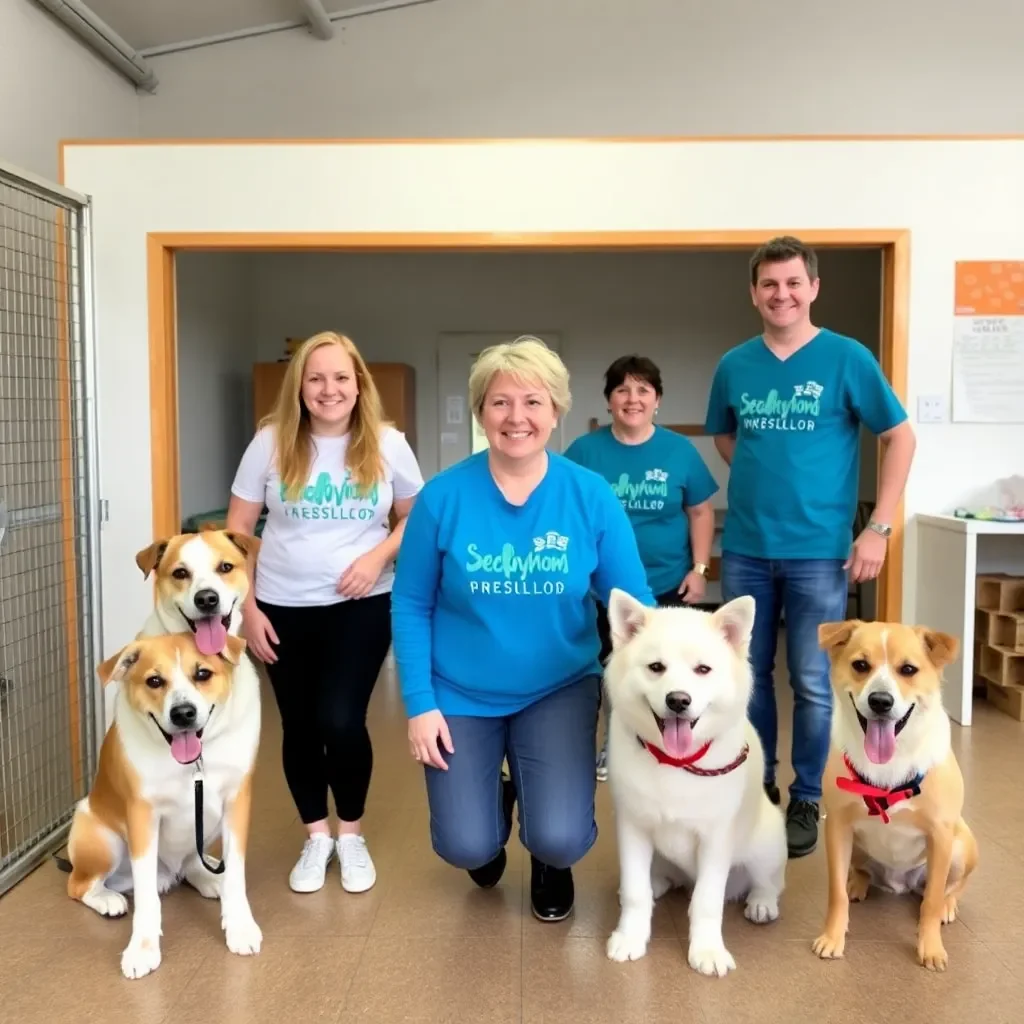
(931, 409)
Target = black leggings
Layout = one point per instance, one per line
(328, 660)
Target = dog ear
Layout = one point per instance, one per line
(736, 620)
(832, 635)
(118, 664)
(626, 617)
(246, 543)
(234, 648)
(149, 558)
(941, 647)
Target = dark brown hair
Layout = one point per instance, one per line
(638, 367)
(780, 250)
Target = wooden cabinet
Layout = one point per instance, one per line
(396, 383)
(266, 381)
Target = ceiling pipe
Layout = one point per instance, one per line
(319, 24)
(279, 26)
(99, 36)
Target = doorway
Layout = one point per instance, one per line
(892, 245)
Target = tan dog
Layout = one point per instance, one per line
(177, 708)
(893, 791)
(202, 580)
(201, 583)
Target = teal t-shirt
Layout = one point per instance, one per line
(493, 603)
(656, 482)
(793, 483)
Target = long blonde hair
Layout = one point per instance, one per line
(291, 422)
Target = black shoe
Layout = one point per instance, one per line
(801, 827)
(773, 793)
(490, 874)
(552, 893)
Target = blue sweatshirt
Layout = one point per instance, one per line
(493, 603)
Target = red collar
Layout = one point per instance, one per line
(689, 763)
(877, 799)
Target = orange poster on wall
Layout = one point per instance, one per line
(989, 288)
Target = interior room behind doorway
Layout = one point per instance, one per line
(431, 312)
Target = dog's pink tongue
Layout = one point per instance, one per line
(677, 737)
(211, 636)
(186, 747)
(880, 741)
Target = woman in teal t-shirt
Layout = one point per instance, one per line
(663, 484)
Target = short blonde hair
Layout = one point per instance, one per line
(527, 359)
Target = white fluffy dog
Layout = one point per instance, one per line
(686, 771)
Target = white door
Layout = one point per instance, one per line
(460, 434)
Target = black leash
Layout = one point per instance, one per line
(65, 865)
(219, 869)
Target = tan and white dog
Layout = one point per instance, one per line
(201, 584)
(686, 770)
(177, 707)
(893, 792)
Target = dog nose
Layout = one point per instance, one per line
(183, 715)
(881, 703)
(677, 701)
(207, 600)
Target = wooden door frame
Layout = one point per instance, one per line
(162, 247)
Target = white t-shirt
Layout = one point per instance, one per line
(309, 543)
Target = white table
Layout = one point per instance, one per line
(951, 553)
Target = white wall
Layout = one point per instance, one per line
(51, 88)
(514, 68)
(959, 200)
(215, 347)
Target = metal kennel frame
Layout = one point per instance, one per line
(50, 624)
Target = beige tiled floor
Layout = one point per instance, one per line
(425, 945)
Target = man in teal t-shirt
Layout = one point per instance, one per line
(786, 409)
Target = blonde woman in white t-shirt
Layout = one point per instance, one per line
(329, 473)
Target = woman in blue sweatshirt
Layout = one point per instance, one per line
(493, 624)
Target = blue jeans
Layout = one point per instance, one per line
(550, 750)
(810, 591)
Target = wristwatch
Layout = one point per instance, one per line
(882, 529)
(700, 568)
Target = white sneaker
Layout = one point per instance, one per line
(357, 871)
(310, 871)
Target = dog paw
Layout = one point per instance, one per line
(857, 886)
(761, 909)
(243, 935)
(208, 886)
(931, 953)
(107, 902)
(624, 945)
(949, 910)
(829, 947)
(140, 957)
(711, 960)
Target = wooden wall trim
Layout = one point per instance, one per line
(894, 356)
(163, 389)
(633, 140)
